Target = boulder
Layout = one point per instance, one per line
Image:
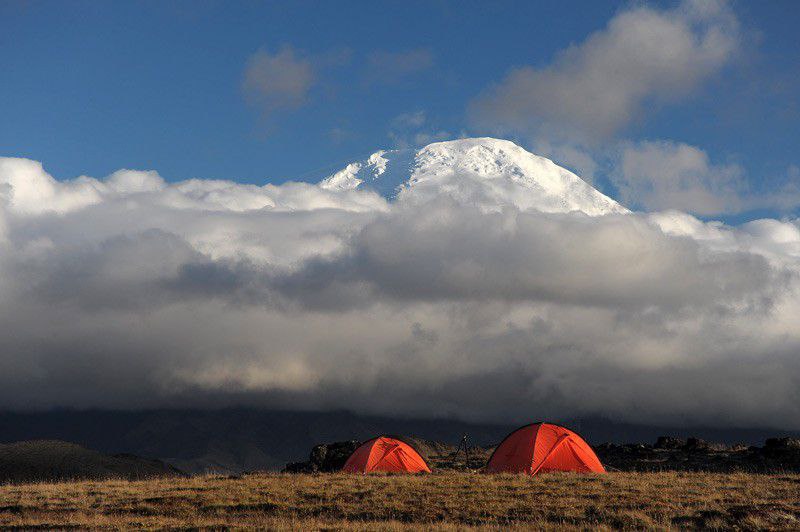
(696, 444)
(782, 444)
(668, 442)
(332, 456)
(300, 467)
(325, 457)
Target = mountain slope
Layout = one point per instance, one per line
(490, 173)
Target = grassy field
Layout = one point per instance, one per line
(439, 501)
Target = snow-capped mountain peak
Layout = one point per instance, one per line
(487, 172)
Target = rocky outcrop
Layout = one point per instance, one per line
(666, 454)
(324, 457)
(693, 454)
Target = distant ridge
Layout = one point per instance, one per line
(233, 440)
(53, 460)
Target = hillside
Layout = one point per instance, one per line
(225, 441)
(50, 460)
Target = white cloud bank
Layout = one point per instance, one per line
(130, 292)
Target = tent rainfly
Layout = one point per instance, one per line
(387, 454)
(543, 447)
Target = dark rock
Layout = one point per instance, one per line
(778, 455)
(668, 454)
(300, 467)
(607, 447)
(318, 454)
(696, 444)
(668, 442)
(324, 457)
(335, 455)
(783, 444)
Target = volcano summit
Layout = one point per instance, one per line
(487, 172)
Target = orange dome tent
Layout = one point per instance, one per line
(543, 447)
(385, 453)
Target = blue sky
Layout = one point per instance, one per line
(90, 87)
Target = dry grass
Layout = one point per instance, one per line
(440, 501)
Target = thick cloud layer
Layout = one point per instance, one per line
(130, 292)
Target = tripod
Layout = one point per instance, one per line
(463, 444)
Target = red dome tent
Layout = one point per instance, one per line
(385, 453)
(543, 447)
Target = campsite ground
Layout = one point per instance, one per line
(441, 501)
